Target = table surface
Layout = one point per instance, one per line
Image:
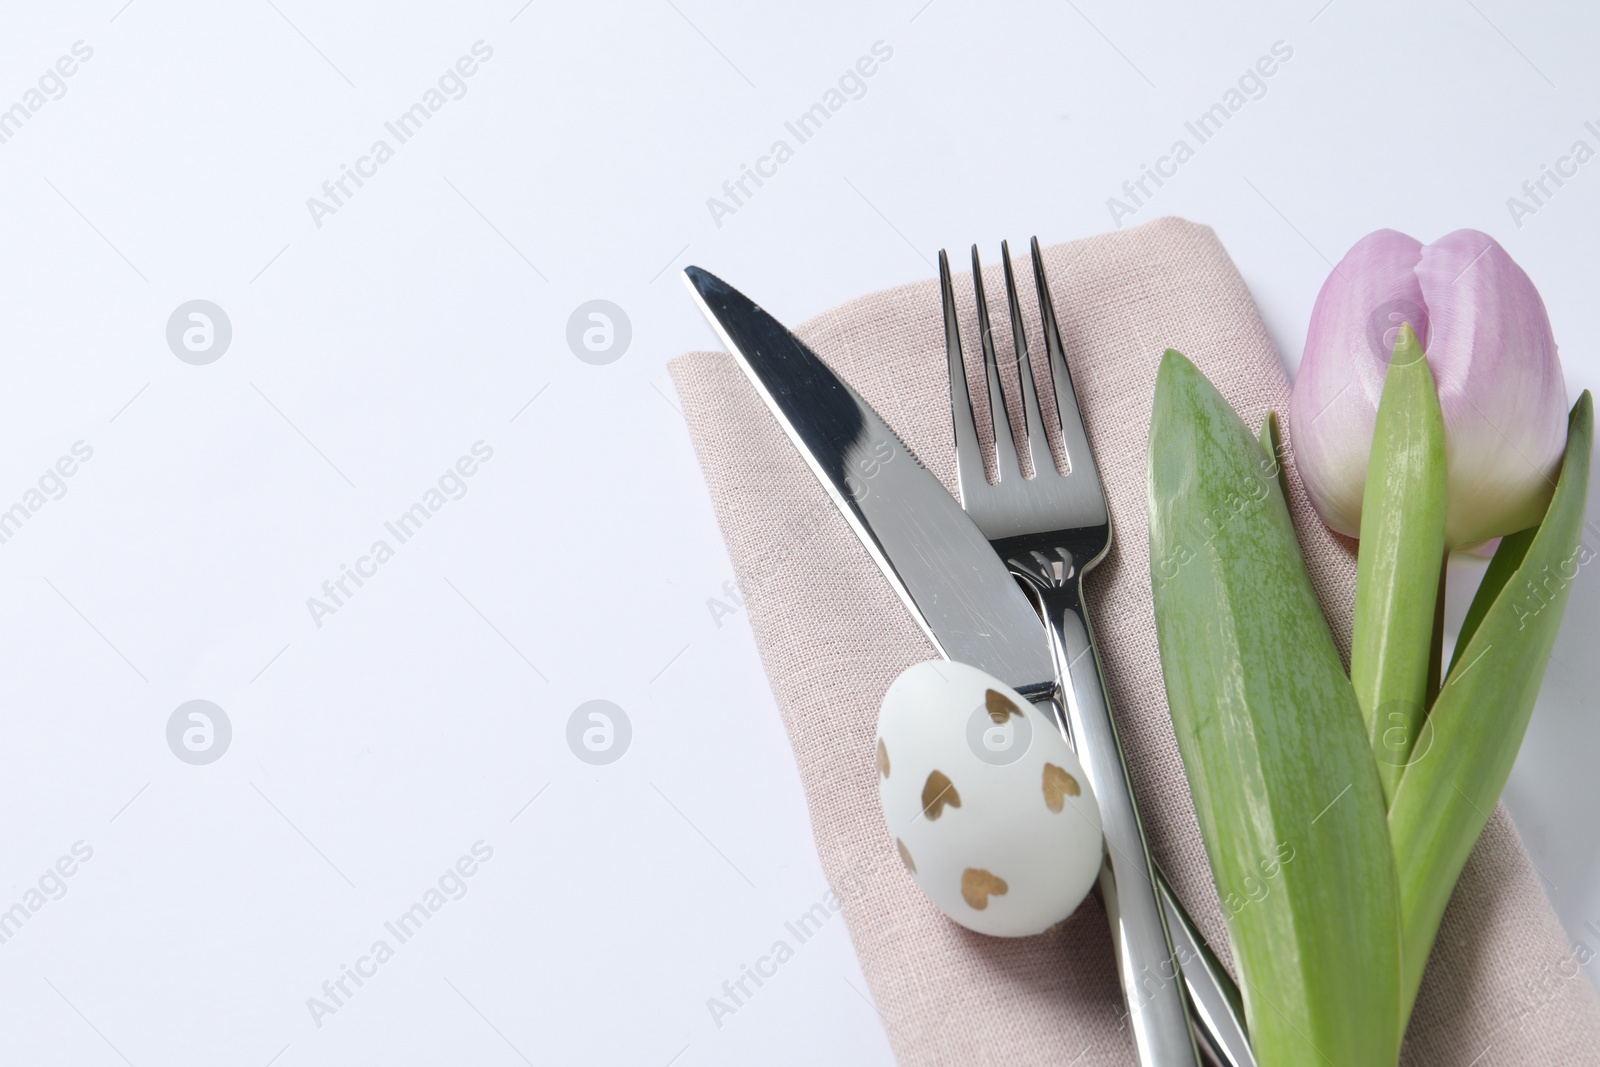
(398, 216)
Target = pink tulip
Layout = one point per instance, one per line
(1494, 362)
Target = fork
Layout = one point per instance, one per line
(1050, 529)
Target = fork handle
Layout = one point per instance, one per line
(1147, 966)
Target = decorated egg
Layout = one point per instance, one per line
(986, 802)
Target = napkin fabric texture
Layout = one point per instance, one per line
(1504, 985)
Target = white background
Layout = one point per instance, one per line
(372, 351)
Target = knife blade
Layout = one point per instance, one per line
(934, 556)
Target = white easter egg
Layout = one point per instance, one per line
(988, 806)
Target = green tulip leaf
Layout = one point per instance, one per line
(1502, 565)
(1284, 783)
(1402, 545)
(1482, 712)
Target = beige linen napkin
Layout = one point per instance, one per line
(1504, 986)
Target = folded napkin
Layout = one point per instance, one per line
(1504, 986)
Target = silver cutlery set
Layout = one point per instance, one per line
(980, 574)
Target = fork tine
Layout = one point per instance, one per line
(969, 453)
(1005, 448)
(1074, 440)
(1038, 443)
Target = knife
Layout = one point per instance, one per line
(948, 577)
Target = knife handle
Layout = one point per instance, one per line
(1147, 967)
(1214, 1001)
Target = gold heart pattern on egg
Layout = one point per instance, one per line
(978, 885)
(883, 758)
(1000, 706)
(905, 856)
(1058, 786)
(937, 792)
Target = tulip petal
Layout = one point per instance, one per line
(1501, 388)
(1333, 408)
